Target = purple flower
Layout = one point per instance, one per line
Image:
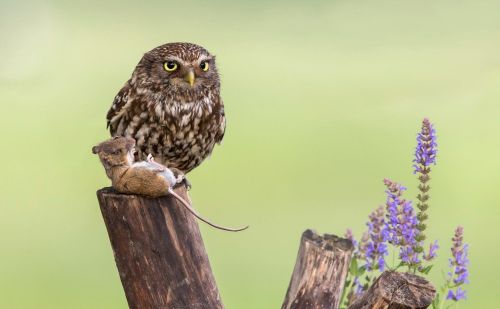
(376, 248)
(359, 288)
(431, 254)
(363, 246)
(456, 295)
(459, 262)
(401, 225)
(425, 152)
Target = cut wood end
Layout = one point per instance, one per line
(320, 270)
(407, 289)
(328, 242)
(110, 191)
(397, 290)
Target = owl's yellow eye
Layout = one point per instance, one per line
(204, 66)
(170, 66)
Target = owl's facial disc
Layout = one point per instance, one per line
(188, 73)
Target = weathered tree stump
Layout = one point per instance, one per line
(159, 252)
(394, 290)
(320, 271)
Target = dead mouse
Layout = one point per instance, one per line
(147, 178)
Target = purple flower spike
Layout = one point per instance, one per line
(401, 225)
(363, 246)
(376, 248)
(459, 263)
(393, 202)
(425, 153)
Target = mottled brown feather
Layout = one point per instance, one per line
(118, 103)
(178, 124)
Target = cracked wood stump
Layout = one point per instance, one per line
(320, 271)
(159, 252)
(394, 290)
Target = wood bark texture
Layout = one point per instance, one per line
(320, 271)
(159, 252)
(394, 290)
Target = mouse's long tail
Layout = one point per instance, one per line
(191, 210)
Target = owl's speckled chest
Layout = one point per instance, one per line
(177, 134)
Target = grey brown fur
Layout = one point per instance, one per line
(146, 178)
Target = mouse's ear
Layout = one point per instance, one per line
(95, 149)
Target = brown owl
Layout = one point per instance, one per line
(171, 106)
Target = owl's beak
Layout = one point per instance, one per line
(190, 77)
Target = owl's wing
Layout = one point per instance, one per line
(120, 105)
(222, 123)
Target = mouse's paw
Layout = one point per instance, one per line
(150, 158)
(180, 178)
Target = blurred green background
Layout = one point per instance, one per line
(323, 98)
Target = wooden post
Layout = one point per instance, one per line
(320, 272)
(394, 290)
(159, 252)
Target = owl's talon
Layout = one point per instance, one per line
(182, 180)
(186, 182)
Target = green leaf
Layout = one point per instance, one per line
(426, 269)
(401, 264)
(361, 271)
(353, 268)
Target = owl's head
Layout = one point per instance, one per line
(182, 66)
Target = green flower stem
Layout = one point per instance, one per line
(446, 287)
(348, 288)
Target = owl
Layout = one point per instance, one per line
(171, 106)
